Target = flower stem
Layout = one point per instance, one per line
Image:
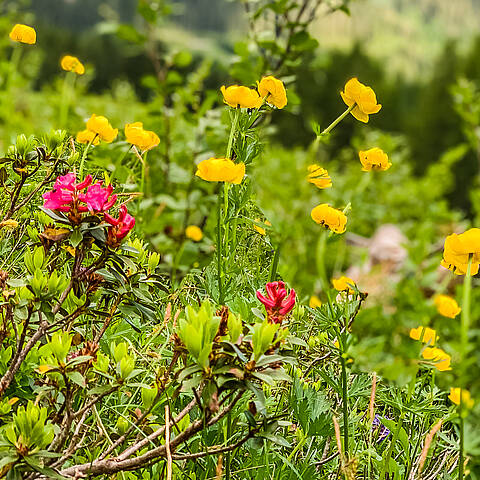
(219, 249)
(144, 169)
(462, 441)
(68, 84)
(465, 318)
(232, 133)
(84, 156)
(13, 67)
(344, 406)
(337, 120)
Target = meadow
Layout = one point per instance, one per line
(212, 268)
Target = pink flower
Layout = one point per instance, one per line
(276, 305)
(97, 198)
(66, 193)
(119, 226)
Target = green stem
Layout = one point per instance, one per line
(462, 441)
(219, 249)
(84, 156)
(337, 120)
(13, 67)
(274, 266)
(143, 180)
(344, 406)
(465, 319)
(232, 133)
(67, 90)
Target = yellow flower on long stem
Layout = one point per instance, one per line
(87, 136)
(343, 283)
(361, 98)
(314, 302)
(194, 233)
(221, 170)
(143, 139)
(424, 334)
(319, 177)
(23, 34)
(458, 249)
(101, 126)
(374, 159)
(273, 91)
(441, 359)
(329, 217)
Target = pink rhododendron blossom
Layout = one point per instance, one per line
(277, 303)
(97, 198)
(119, 226)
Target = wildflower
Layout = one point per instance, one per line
(426, 334)
(447, 306)
(442, 359)
(273, 91)
(329, 217)
(374, 159)
(319, 176)
(467, 400)
(87, 136)
(194, 233)
(221, 170)
(101, 126)
(72, 64)
(343, 283)
(457, 250)
(261, 230)
(314, 302)
(383, 431)
(120, 227)
(363, 97)
(276, 305)
(242, 97)
(23, 34)
(143, 139)
(99, 199)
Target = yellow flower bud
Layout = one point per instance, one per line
(23, 34)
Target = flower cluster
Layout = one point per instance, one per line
(72, 64)
(269, 90)
(75, 199)
(362, 98)
(459, 248)
(329, 217)
(277, 303)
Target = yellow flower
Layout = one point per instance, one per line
(221, 170)
(72, 64)
(428, 335)
(143, 139)
(9, 224)
(467, 400)
(442, 359)
(243, 97)
(363, 97)
(319, 176)
(457, 250)
(101, 126)
(273, 91)
(261, 230)
(314, 302)
(343, 283)
(447, 306)
(194, 233)
(329, 217)
(87, 136)
(23, 34)
(374, 159)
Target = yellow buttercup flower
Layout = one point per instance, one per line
(194, 233)
(457, 250)
(273, 91)
(143, 139)
(319, 176)
(447, 306)
(72, 64)
(428, 335)
(374, 159)
(329, 217)
(261, 230)
(363, 97)
(221, 170)
(314, 302)
(23, 34)
(243, 97)
(87, 136)
(442, 359)
(343, 283)
(467, 400)
(101, 126)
